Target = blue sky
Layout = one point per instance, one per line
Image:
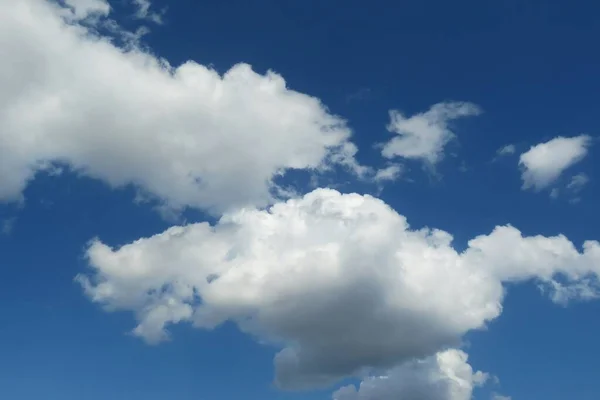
(209, 200)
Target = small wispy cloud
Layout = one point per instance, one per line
(506, 150)
(128, 38)
(144, 11)
(7, 226)
(83, 9)
(359, 95)
(573, 188)
(389, 173)
(576, 185)
(578, 182)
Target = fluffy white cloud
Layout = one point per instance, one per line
(445, 376)
(185, 134)
(340, 282)
(500, 397)
(543, 163)
(423, 136)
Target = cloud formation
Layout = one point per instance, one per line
(445, 376)
(578, 182)
(506, 150)
(339, 282)
(185, 134)
(544, 163)
(82, 9)
(423, 136)
(144, 11)
(389, 173)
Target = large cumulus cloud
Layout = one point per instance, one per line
(339, 281)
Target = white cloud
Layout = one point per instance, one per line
(500, 397)
(389, 173)
(445, 376)
(185, 134)
(578, 182)
(144, 11)
(586, 288)
(506, 150)
(544, 163)
(340, 282)
(575, 186)
(7, 226)
(423, 136)
(84, 8)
